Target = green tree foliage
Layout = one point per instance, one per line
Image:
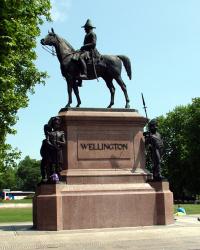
(19, 28)
(28, 174)
(8, 179)
(25, 176)
(180, 130)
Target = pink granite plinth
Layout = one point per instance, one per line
(103, 139)
(82, 206)
(104, 180)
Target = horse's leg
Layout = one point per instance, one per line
(69, 89)
(112, 90)
(123, 87)
(76, 92)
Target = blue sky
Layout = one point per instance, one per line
(161, 38)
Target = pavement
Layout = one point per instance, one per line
(15, 205)
(183, 234)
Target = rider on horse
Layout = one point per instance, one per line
(108, 67)
(88, 50)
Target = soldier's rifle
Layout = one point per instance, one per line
(147, 133)
(144, 105)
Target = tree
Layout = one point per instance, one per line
(19, 27)
(28, 174)
(8, 179)
(180, 130)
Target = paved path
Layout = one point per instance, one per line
(183, 234)
(15, 205)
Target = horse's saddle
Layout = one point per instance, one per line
(90, 57)
(93, 60)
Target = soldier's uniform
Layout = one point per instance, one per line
(51, 149)
(154, 142)
(89, 47)
(90, 42)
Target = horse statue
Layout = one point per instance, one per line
(108, 67)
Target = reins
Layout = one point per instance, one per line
(50, 51)
(53, 53)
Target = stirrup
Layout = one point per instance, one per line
(83, 77)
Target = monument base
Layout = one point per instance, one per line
(104, 180)
(61, 206)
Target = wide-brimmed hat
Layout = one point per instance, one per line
(88, 24)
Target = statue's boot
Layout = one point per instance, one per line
(83, 74)
(79, 82)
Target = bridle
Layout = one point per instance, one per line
(50, 51)
(53, 51)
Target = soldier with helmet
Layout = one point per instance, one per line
(52, 150)
(154, 143)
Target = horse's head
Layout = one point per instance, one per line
(50, 39)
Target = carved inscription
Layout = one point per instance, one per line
(104, 149)
(104, 146)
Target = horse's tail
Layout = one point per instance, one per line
(127, 64)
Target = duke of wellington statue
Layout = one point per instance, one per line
(93, 159)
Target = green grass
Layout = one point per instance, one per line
(25, 214)
(16, 201)
(189, 208)
(15, 214)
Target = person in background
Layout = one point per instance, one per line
(180, 211)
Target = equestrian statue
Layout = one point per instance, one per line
(88, 64)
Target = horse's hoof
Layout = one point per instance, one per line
(127, 106)
(67, 106)
(110, 105)
(78, 105)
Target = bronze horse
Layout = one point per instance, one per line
(109, 69)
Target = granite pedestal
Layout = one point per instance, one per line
(104, 180)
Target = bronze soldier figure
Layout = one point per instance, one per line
(51, 150)
(57, 141)
(88, 49)
(45, 152)
(154, 144)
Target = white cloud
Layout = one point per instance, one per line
(60, 10)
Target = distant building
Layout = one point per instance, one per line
(7, 194)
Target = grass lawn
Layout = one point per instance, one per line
(25, 214)
(189, 208)
(15, 214)
(16, 201)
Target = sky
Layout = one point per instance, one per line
(161, 38)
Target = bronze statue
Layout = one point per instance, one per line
(105, 66)
(88, 50)
(45, 152)
(51, 150)
(154, 144)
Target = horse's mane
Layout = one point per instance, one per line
(66, 42)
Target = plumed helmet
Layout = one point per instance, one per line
(88, 24)
(54, 120)
(152, 123)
